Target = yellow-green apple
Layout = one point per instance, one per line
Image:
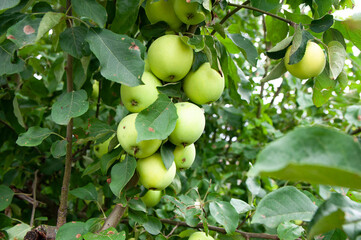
(190, 124)
(184, 156)
(102, 148)
(135, 99)
(170, 59)
(95, 92)
(153, 174)
(311, 64)
(200, 236)
(189, 12)
(162, 10)
(127, 138)
(205, 85)
(152, 197)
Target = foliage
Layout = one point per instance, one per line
(279, 157)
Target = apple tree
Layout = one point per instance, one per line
(180, 119)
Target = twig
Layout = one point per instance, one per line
(63, 208)
(291, 23)
(35, 183)
(7, 125)
(171, 232)
(276, 94)
(228, 15)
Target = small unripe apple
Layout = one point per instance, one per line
(137, 98)
(188, 12)
(162, 10)
(205, 85)
(184, 156)
(170, 59)
(190, 124)
(95, 92)
(200, 236)
(152, 197)
(311, 64)
(102, 148)
(127, 137)
(153, 174)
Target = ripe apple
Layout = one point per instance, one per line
(127, 137)
(135, 99)
(311, 64)
(184, 156)
(188, 12)
(190, 124)
(153, 174)
(200, 236)
(102, 148)
(205, 85)
(162, 10)
(170, 59)
(152, 197)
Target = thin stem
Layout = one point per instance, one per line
(7, 125)
(57, 134)
(99, 98)
(291, 23)
(78, 19)
(35, 183)
(63, 208)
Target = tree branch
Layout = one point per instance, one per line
(291, 23)
(63, 208)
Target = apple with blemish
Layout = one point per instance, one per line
(184, 156)
(189, 12)
(162, 11)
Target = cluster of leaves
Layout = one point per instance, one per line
(261, 166)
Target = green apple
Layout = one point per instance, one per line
(153, 174)
(188, 12)
(127, 137)
(146, 66)
(95, 92)
(184, 156)
(162, 10)
(135, 99)
(205, 85)
(311, 64)
(152, 197)
(102, 148)
(200, 236)
(170, 59)
(190, 124)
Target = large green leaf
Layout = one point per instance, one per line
(322, 24)
(6, 196)
(157, 121)
(336, 56)
(69, 105)
(350, 30)
(90, 9)
(24, 32)
(277, 30)
(18, 231)
(121, 174)
(8, 4)
(33, 137)
(246, 46)
(87, 192)
(314, 154)
(284, 204)
(337, 212)
(126, 15)
(72, 41)
(7, 63)
(71, 231)
(50, 20)
(225, 214)
(119, 56)
(153, 225)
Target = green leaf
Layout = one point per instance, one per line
(240, 206)
(87, 192)
(91, 168)
(8, 4)
(24, 32)
(299, 44)
(225, 214)
(121, 173)
(108, 159)
(126, 15)
(50, 20)
(277, 30)
(7, 65)
(5, 221)
(280, 49)
(336, 56)
(266, 5)
(90, 9)
(58, 148)
(157, 121)
(18, 231)
(72, 41)
(322, 24)
(71, 231)
(6, 196)
(137, 205)
(289, 231)
(333, 35)
(99, 128)
(246, 46)
(350, 31)
(322, 6)
(171, 89)
(322, 89)
(276, 72)
(119, 56)
(353, 115)
(337, 212)
(153, 225)
(336, 234)
(314, 154)
(69, 105)
(108, 234)
(167, 153)
(33, 137)
(284, 204)
(196, 42)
